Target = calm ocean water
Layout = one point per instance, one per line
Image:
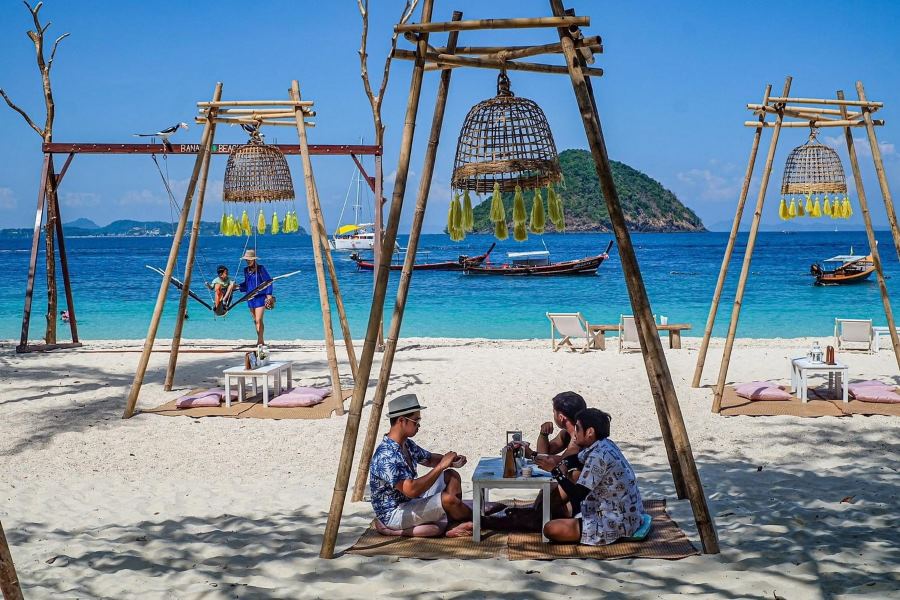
(115, 293)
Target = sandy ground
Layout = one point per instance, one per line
(160, 507)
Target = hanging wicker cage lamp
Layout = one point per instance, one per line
(257, 173)
(505, 145)
(813, 170)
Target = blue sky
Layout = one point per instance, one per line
(672, 101)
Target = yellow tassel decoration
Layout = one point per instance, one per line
(468, 215)
(287, 225)
(836, 209)
(809, 205)
(801, 211)
(519, 215)
(275, 226)
(816, 210)
(501, 231)
(846, 210)
(783, 211)
(538, 220)
(792, 210)
(520, 234)
(498, 212)
(826, 207)
(245, 224)
(222, 224)
(261, 222)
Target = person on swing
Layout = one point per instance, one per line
(223, 286)
(254, 275)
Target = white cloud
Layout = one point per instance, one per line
(7, 198)
(863, 148)
(707, 185)
(141, 198)
(80, 199)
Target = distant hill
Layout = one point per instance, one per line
(122, 228)
(648, 206)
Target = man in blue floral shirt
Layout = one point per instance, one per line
(401, 499)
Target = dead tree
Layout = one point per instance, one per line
(44, 66)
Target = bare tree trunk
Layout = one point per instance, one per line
(50, 255)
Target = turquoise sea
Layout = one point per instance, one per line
(114, 292)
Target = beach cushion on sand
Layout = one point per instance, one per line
(761, 390)
(295, 398)
(425, 530)
(881, 394)
(318, 391)
(871, 383)
(210, 397)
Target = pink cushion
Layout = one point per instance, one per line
(872, 383)
(761, 390)
(320, 392)
(294, 399)
(210, 397)
(885, 395)
(424, 530)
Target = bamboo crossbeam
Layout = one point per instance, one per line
(262, 113)
(287, 149)
(824, 111)
(520, 23)
(830, 101)
(594, 41)
(818, 124)
(484, 63)
(198, 120)
(224, 103)
(807, 115)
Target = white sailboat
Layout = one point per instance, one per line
(356, 236)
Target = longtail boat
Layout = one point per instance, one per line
(459, 264)
(842, 269)
(538, 263)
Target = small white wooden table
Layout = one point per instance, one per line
(241, 375)
(801, 368)
(489, 474)
(877, 332)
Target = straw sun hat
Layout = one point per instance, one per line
(250, 255)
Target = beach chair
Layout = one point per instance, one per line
(571, 326)
(628, 333)
(853, 331)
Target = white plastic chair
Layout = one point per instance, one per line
(628, 333)
(853, 331)
(571, 326)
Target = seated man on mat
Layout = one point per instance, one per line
(610, 502)
(402, 500)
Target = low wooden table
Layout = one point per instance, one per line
(241, 374)
(803, 366)
(598, 334)
(489, 474)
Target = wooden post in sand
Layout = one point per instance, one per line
(390, 347)
(651, 345)
(191, 254)
(870, 231)
(729, 248)
(9, 581)
(316, 234)
(348, 448)
(748, 256)
(205, 144)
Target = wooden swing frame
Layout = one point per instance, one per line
(578, 53)
(291, 112)
(807, 112)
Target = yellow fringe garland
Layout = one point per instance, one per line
(538, 221)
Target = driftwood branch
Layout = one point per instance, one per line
(53, 52)
(21, 112)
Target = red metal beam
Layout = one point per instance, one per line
(314, 149)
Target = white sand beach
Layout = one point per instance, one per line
(172, 507)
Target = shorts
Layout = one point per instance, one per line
(427, 508)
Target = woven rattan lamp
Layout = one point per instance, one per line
(505, 145)
(257, 173)
(811, 170)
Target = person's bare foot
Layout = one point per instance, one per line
(460, 530)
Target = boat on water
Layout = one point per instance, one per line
(843, 269)
(353, 237)
(538, 263)
(459, 264)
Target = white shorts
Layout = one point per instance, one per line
(427, 508)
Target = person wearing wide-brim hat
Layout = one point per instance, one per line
(403, 501)
(254, 275)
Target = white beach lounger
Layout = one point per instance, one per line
(853, 331)
(628, 333)
(571, 326)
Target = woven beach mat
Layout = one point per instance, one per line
(858, 407)
(666, 541)
(252, 408)
(734, 405)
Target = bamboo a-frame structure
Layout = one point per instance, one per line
(285, 113)
(9, 581)
(800, 112)
(578, 53)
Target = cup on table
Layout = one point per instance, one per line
(527, 472)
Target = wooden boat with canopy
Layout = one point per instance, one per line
(538, 263)
(459, 264)
(843, 269)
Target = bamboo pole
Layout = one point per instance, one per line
(818, 124)
(263, 112)
(390, 347)
(32, 261)
(191, 255)
(316, 234)
(870, 234)
(866, 103)
(378, 251)
(237, 121)
(348, 447)
(651, 345)
(748, 257)
(879, 170)
(520, 23)
(486, 63)
(671, 422)
(823, 111)
(141, 370)
(63, 257)
(223, 103)
(729, 249)
(556, 48)
(9, 581)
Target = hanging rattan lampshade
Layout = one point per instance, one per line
(813, 168)
(257, 173)
(505, 140)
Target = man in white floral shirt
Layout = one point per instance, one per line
(611, 506)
